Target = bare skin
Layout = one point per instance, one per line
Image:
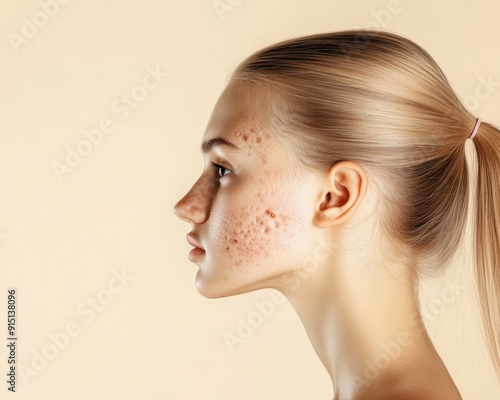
(264, 222)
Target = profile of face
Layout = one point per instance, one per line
(252, 208)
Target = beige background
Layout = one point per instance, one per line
(62, 243)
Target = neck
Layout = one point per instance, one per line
(366, 328)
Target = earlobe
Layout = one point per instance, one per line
(345, 188)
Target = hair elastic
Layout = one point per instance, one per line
(476, 128)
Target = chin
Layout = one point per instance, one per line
(209, 292)
(213, 289)
(209, 288)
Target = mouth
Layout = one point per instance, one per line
(197, 251)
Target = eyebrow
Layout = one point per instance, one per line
(216, 141)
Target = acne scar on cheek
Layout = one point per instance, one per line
(270, 213)
(255, 233)
(263, 226)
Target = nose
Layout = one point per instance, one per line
(193, 207)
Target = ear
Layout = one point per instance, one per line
(344, 187)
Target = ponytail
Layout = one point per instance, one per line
(487, 234)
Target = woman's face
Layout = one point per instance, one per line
(252, 212)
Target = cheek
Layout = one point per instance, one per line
(257, 230)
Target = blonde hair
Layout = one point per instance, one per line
(380, 100)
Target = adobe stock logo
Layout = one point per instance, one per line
(393, 349)
(247, 326)
(59, 340)
(122, 107)
(224, 6)
(485, 87)
(265, 308)
(31, 26)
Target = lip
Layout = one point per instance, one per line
(193, 241)
(197, 251)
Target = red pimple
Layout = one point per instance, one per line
(259, 139)
(245, 137)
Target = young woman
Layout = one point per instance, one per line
(336, 173)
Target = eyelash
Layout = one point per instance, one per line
(217, 167)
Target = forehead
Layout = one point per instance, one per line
(235, 108)
(238, 118)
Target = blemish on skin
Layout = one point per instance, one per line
(248, 233)
(270, 213)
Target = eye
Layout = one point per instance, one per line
(220, 170)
